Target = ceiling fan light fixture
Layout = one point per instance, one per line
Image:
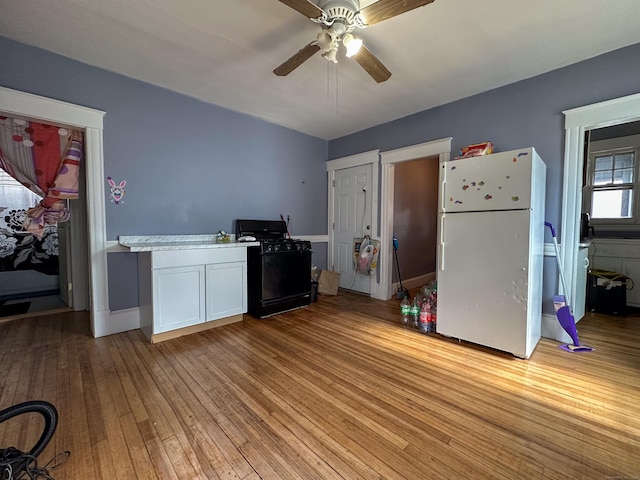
(326, 40)
(352, 44)
(331, 55)
(337, 19)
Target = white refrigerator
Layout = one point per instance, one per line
(490, 251)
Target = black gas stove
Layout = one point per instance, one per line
(284, 245)
(278, 270)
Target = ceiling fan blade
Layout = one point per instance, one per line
(305, 7)
(385, 9)
(296, 60)
(372, 65)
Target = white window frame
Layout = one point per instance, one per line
(611, 147)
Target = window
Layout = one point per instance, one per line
(612, 195)
(612, 188)
(14, 196)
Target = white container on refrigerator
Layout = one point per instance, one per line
(490, 252)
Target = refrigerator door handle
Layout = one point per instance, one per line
(442, 242)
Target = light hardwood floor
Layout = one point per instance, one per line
(339, 390)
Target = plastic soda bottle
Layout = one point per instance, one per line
(415, 312)
(425, 317)
(405, 311)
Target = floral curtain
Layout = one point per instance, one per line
(20, 250)
(46, 160)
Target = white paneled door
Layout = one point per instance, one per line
(352, 219)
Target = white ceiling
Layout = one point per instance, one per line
(224, 51)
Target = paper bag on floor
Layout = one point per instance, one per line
(328, 282)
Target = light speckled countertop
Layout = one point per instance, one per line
(149, 243)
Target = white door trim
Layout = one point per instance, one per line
(577, 122)
(442, 148)
(371, 157)
(54, 111)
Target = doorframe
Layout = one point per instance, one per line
(578, 121)
(371, 157)
(388, 159)
(90, 120)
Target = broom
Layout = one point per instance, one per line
(402, 292)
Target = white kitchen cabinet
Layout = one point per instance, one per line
(187, 290)
(178, 297)
(223, 297)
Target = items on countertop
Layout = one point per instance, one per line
(223, 237)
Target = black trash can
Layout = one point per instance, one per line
(607, 292)
(314, 291)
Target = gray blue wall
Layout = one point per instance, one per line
(523, 114)
(526, 113)
(190, 167)
(194, 168)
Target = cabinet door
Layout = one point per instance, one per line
(226, 289)
(178, 297)
(631, 268)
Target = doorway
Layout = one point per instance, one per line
(20, 104)
(613, 233)
(578, 121)
(415, 221)
(37, 272)
(441, 149)
(353, 197)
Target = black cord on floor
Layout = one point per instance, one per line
(17, 465)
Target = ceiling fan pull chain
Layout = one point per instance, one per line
(328, 81)
(337, 89)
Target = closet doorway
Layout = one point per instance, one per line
(47, 110)
(37, 273)
(415, 221)
(441, 149)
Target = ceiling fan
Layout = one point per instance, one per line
(337, 19)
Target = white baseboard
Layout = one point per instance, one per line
(552, 329)
(124, 320)
(415, 282)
